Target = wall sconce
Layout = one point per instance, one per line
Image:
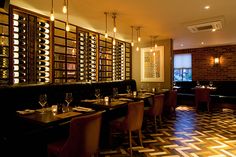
(216, 60)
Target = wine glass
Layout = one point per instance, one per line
(128, 89)
(210, 83)
(43, 101)
(97, 93)
(68, 98)
(115, 92)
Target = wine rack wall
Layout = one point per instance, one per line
(118, 60)
(105, 58)
(128, 61)
(4, 48)
(87, 43)
(30, 48)
(36, 50)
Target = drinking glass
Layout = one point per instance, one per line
(128, 89)
(97, 93)
(68, 98)
(115, 92)
(210, 83)
(43, 101)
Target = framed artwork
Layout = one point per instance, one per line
(152, 64)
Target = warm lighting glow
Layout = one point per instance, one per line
(207, 7)
(52, 18)
(64, 9)
(139, 39)
(114, 29)
(114, 22)
(67, 17)
(137, 48)
(155, 45)
(67, 27)
(106, 34)
(132, 35)
(114, 42)
(216, 60)
(132, 44)
(52, 13)
(213, 30)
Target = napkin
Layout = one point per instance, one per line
(26, 111)
(82, 109)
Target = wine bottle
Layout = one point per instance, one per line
(43, 35)
(44, 24)
(44, 41)
(44, 30)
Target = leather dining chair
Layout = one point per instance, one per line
(83, 140)
(155, 109)
(202, 95)
(131, 122)
(170, 101)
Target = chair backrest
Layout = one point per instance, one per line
(202, 95)
(83, 140)
(134, 118)
(157, 106)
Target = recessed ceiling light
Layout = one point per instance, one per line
(202, 43)
(213, 30)
(181, 45)
(207, 7)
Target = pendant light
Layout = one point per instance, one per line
(64, 8)
(52, 13)
(132, 41)
(106, 33)
(138, 37)
(114, 28)
(151, 43)
(67, 19)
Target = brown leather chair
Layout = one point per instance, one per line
(171, 101)
(156, 109)
(83, 140)
(202, 95)
(131, 122)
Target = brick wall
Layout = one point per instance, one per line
(203, 67)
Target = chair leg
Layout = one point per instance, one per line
(208, 107)
(140, 137)
(155, 123)
(160, 119)
(130, 143)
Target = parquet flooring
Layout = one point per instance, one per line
(186, 133)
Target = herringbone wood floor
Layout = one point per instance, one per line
(186, 133)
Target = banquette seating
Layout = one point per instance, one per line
(224, 92)
(19, 97)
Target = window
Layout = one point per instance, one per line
(183, 67)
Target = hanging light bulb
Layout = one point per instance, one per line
(139, 38)
(137, 29)
(52, 13)
(67, 27)
(155, 41)
(64, 8)
(106, 34)
(132, 41)
(67, 19)
(114, 29)
(114, 20)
